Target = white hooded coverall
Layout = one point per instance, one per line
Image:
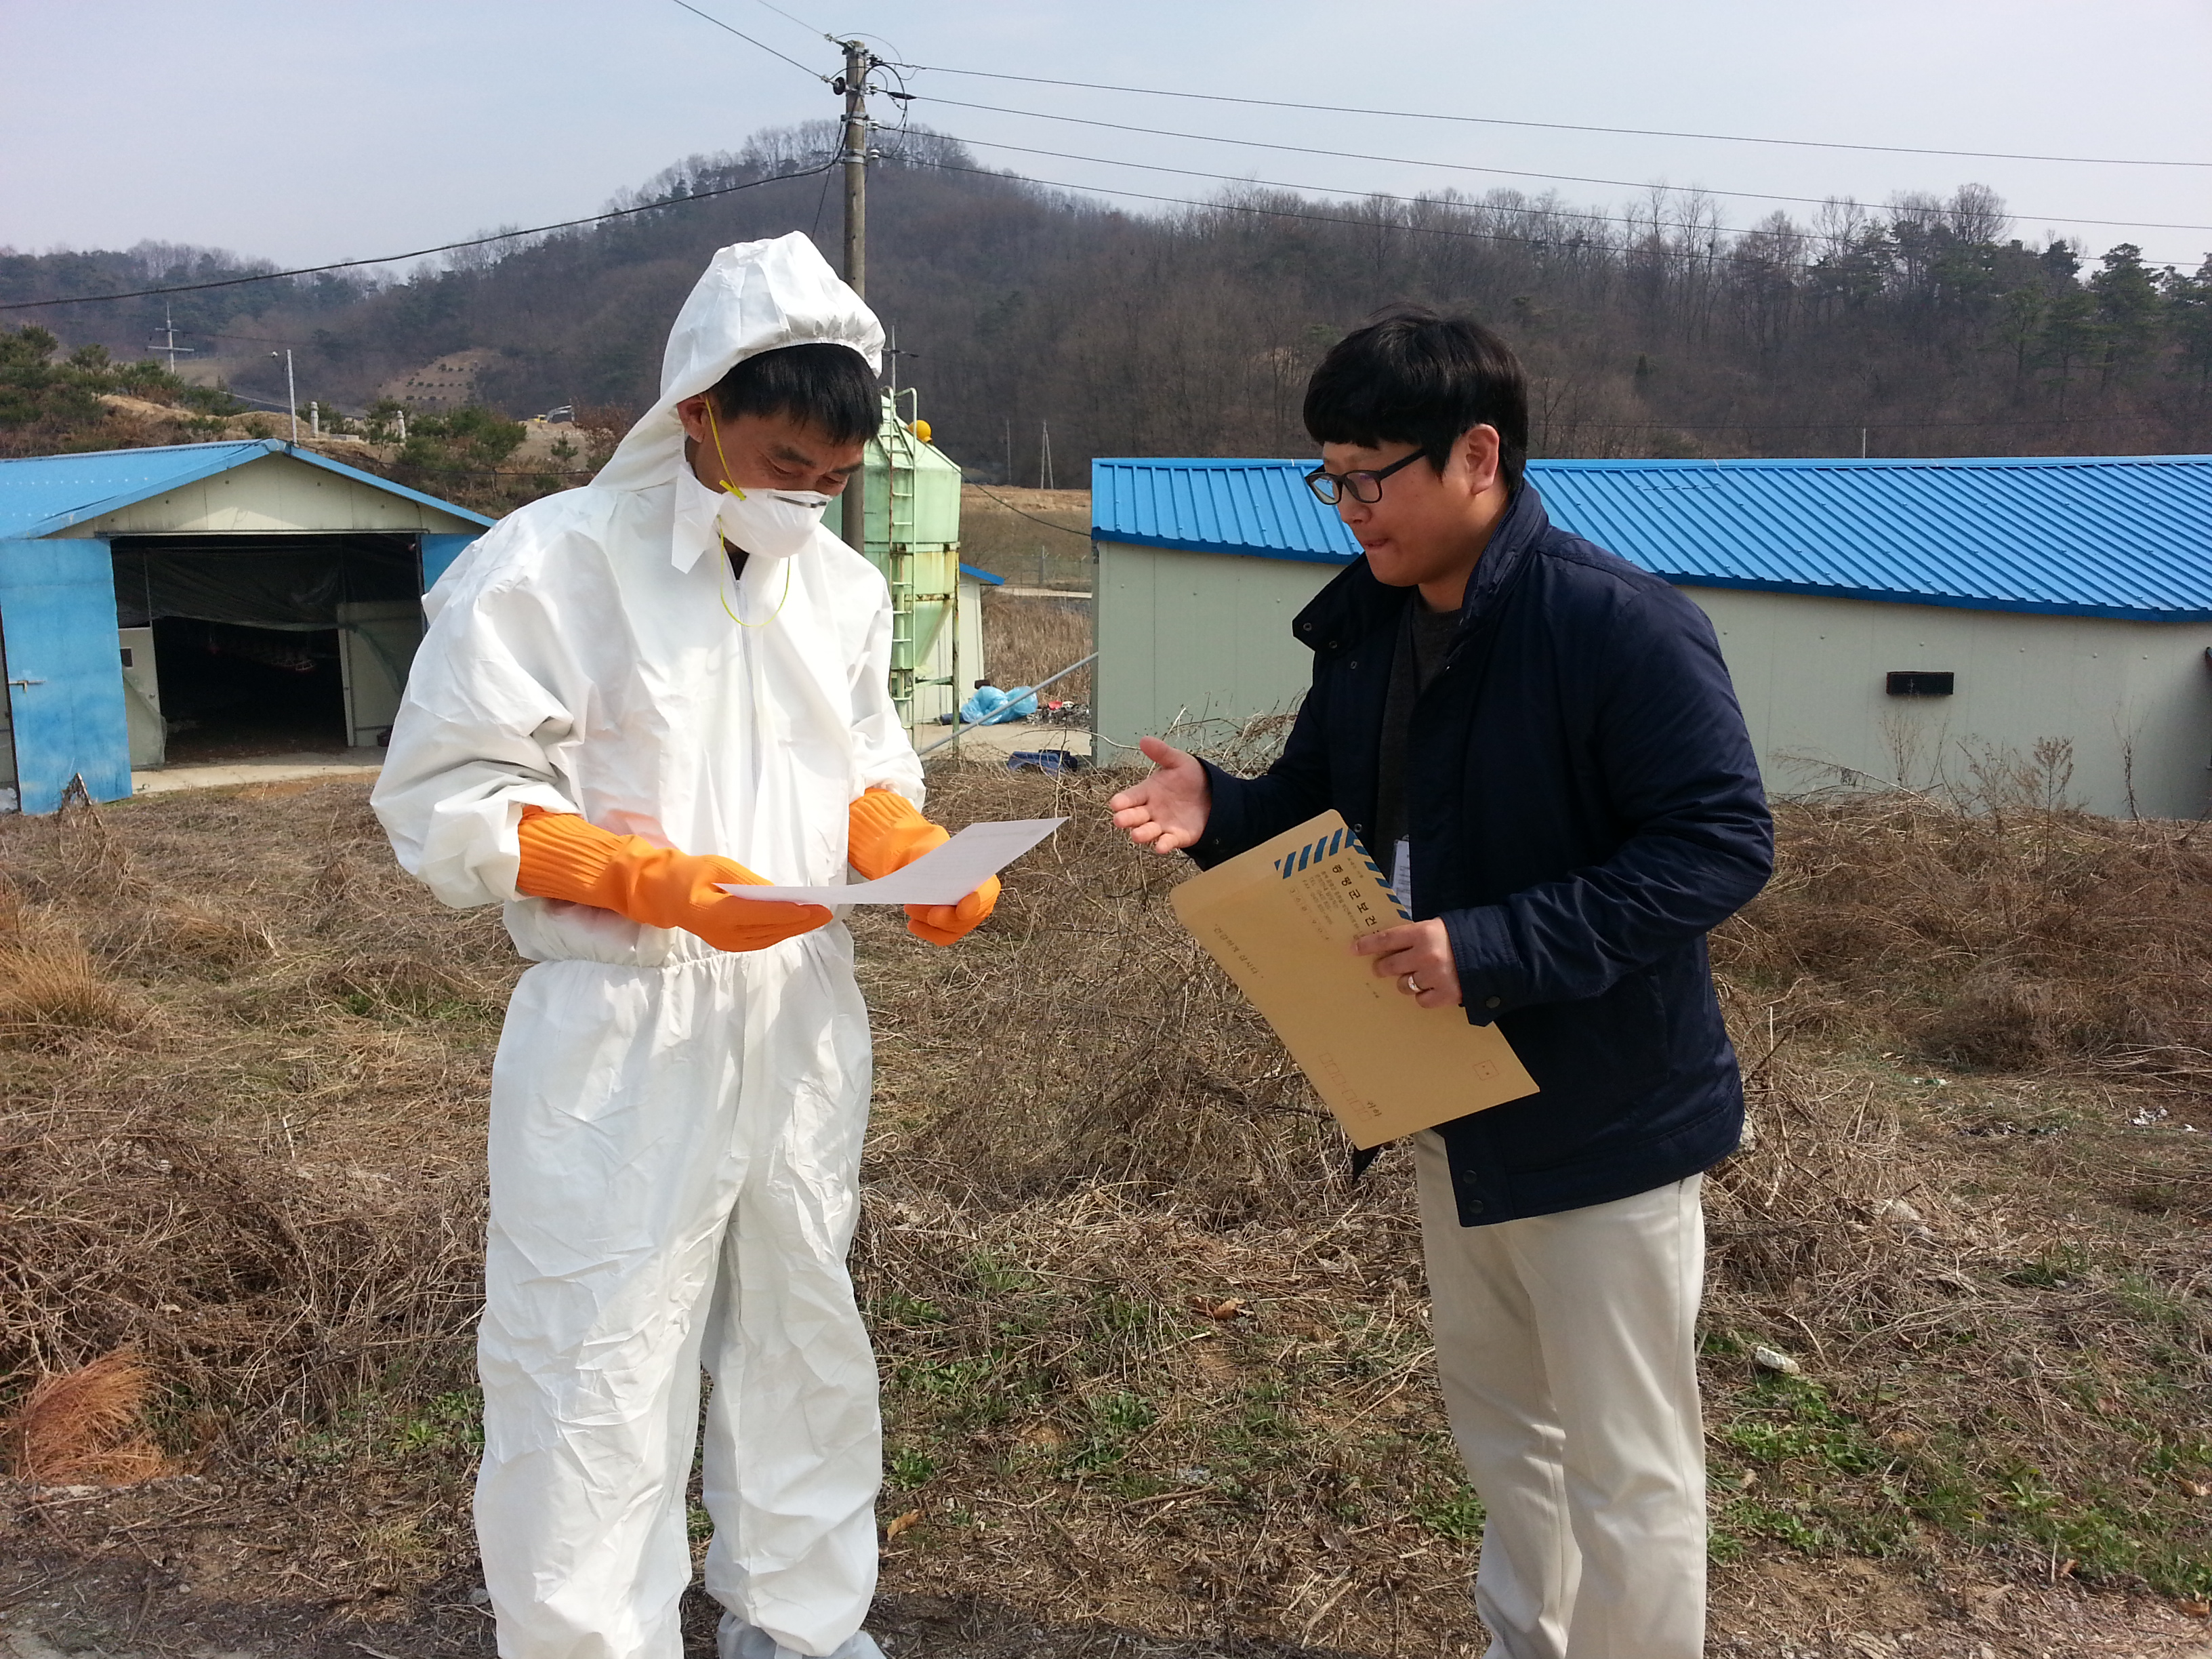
(675, 1131)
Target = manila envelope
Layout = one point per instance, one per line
(1280, 920)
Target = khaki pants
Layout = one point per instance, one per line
(1567, 1348)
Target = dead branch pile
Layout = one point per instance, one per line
(2008, 941)
(239, 1135)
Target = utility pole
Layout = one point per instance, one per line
(291, 392)
(854, 83)
(174, 351)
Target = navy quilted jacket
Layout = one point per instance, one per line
(1584, 806)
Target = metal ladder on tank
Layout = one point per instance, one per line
(898, 561)
(905, 594)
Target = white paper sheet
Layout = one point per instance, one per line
(945, 876)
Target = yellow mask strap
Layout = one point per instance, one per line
(722, 571)
(725, 597)
(714, 426)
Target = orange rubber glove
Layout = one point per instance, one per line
(565, 858)
(888, 833)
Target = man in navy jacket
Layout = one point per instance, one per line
(1540, 742)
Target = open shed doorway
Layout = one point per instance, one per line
(241, 645)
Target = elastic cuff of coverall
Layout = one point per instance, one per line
(563, 857)
(1225, 821)
(1491, 980)
(885, 831)
(903, 789)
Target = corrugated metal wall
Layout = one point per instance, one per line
(1205, 638)
(1195, 643)
(2134, 699)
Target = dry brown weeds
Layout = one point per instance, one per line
(264, 1181)
(2013, 940)
(1148, 1356)
(1026, 639)
(1086, 1138)
(50, 986)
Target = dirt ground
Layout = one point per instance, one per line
(127, 1576)
(1155, 1378)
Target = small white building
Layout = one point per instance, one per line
(1885, 621)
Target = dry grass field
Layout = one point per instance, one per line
(1033, 537)
(1027, 639)
(1156, 1372)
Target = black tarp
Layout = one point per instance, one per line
(280, 582)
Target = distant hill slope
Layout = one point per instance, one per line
(1920, 328)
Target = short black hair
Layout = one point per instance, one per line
(1413, 376)
(828, 386)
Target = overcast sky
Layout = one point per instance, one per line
(324, 131)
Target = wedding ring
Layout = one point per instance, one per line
(1413, 985)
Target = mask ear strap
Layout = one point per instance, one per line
(722, 564)
(714, 426)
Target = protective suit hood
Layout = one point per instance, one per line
(754, 297)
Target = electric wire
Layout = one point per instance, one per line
(1218, 206)
(1545, 211)
(1872, 423)
(602, 218)
(1509, 172)
(1566, 126)
(1715, 256)
(710, 17)
(801, 21)
(421, 252)
(1025, 514)
(835, 40)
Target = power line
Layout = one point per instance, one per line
(423, 252)
(1309, 218)
(749, 41)
(1869, 423)
(1410, 201)
(801, 21)
(1318, 189)
(1554, 244)
(1565, 126)
(1509, 172)
(1024, 513)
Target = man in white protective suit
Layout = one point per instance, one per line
(630, 694)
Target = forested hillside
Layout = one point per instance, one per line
(1648, 330)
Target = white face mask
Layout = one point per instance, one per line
(770, 525)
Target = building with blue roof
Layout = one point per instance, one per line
(1905, 620)
(202, 601)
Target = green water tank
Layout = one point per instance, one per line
(912, 501)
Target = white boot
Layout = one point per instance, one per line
(736, 1640)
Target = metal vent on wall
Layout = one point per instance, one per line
(1920, 683)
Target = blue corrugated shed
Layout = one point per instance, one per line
(2096, 535)
(1260, 507)
(42, 494)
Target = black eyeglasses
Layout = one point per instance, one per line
(1365, 488)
